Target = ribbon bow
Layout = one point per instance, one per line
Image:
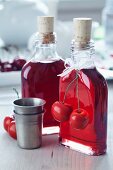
(72, 65)
(69, 66)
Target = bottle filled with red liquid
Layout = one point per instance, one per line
(39, 76)
(84, 89)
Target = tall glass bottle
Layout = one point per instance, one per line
(83, 89)
(39, 76)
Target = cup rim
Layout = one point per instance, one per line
(34, 114)
(27, 106)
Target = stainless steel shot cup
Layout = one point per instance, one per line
(29, 119)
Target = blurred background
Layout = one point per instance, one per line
(18, 28)
(18, 18)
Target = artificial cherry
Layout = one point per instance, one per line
(61, 112)
(79, 119)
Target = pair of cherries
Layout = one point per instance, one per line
(62, 112)
(15, 65)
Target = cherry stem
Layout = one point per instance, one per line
(16, 92)
(76, 78)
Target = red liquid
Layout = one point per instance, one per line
(41, 80)
(92, 91)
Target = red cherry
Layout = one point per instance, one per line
(79, 119)
(7, 121)
(7, 67)
(61, 112)
(12, 130)
(18, 63)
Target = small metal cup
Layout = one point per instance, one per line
(29, 118)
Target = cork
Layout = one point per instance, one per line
(82, 29)
(45, 24)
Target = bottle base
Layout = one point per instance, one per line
(94, 149)
(50, 130)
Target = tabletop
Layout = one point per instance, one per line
(52, 155)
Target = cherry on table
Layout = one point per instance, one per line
(61, 111)
(18, 63)
(7, 121)
(7, 67)
(12, 130)
(79, 119)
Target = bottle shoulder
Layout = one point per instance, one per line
(36, 69)
(33, 62)
(90, 75)
(94, 75)
(98, 81)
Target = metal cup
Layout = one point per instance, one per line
(29, 118)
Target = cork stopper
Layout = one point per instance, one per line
(82, 30)
(45, 24)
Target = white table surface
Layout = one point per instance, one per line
(51, 156)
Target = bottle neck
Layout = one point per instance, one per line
(45, 48)
(82, 54)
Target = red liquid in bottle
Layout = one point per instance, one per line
(41, 80)
(92, 92)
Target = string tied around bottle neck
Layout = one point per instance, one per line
(71, 65)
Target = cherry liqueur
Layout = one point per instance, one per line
(39, 75)
(83, 95)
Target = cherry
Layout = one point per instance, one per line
(79, 119)
(18, 63)
(7, 121)
(61, 112)
(7, 67)
(12, 130)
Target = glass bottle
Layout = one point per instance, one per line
(84, 89)
(39, 75)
